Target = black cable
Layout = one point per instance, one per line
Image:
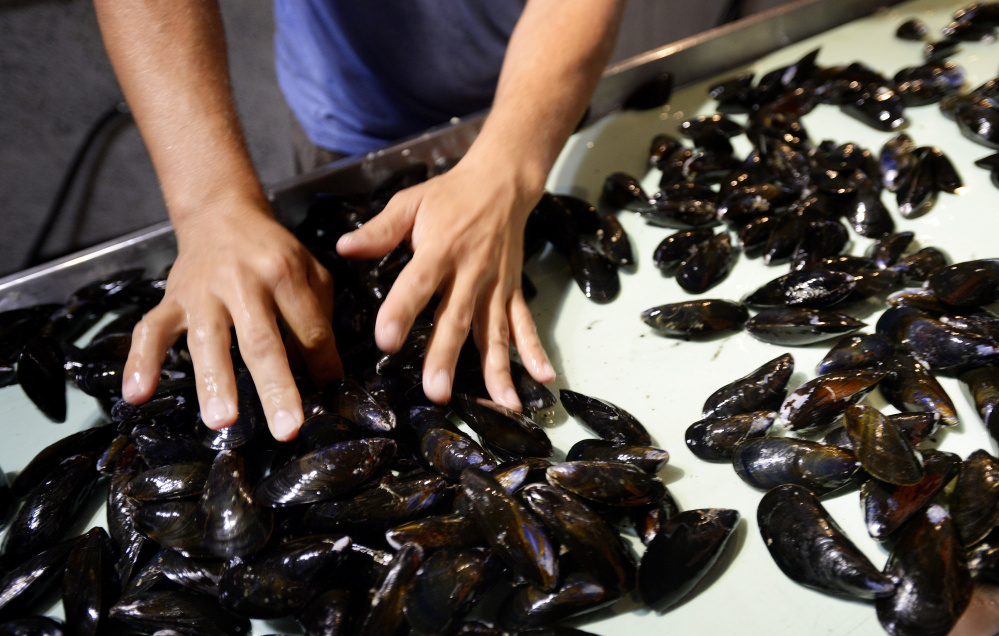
(113, 116)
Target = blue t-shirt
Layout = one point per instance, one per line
(359, 74)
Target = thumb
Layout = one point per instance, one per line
(383, 232)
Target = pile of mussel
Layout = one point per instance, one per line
(386, 515)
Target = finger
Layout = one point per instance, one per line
(493, 340)
(384, 231)
(451, 325)
(525, 337)
(151, 338)
(208, 340)
(415, 286)
(264, 354)
(308, 317)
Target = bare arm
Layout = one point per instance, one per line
(479, 208)
(236, 265)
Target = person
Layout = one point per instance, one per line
(237, 267)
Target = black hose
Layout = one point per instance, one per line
(118, 113)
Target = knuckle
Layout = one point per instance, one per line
(314, 338)
(256, 341)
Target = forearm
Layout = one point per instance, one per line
(555, 58)
(170, 59)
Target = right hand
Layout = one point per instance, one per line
(238, 267)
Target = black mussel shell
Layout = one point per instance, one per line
(23, 585)
(888, 249)
(614, 241)
(661, 147)
(385, 614)
(534, 395)
(821, 239)
(762, 389)
(865, 212)
(41, 376)
(502, 427)
(766, 462)
(436, 531)
(715, 439)
(325, 473)
(647, 521)
(87, 582)
(677, 247)
(514, 534)
(979, 122)
(917, 267)
(610, 483)
(531, 607)
(604, 419)
(282, 580)
(328, 613)
(800, 325)
(595, 545)
(446, 586)
(88, 441)
(623, 191)
(595, 274)
(815, 288)
(682, 553)
(897, 160)
(859, 351)
(449, 452)
(348, 399)
(382, 506)
(235, 524)
(185, 612)
(32, 626)
(943, 346)
(912, 29)
(910, 387)
(708, 265)
(887, 507)
(648, 458)
(810, 548)
(983, 384)
(653, 93)
(882, 449)
(696, 317)
(934, 583)
(823, 399)
(171, 481)
(974, 503)
(968, 284)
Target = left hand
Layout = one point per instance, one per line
(466, 229)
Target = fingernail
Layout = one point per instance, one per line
(130, 388)
(440, 384)
(215, 411)
(547, 370)
(284, 425)
(389, 336)
(511, 398)
(344, 240)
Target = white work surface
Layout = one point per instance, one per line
(607, 351)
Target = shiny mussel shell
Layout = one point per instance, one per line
(610, 483)
(509, 430)
(882, 449)
(822, 400)
(604, 419)
(934, 584)
(446, 586)
(763, 389)
(910, 387)
(859, 351)
(791, 326)
(715, 438)
(810, 548)
(767, 462)
(974, 503)
(696, 317)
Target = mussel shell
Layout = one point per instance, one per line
(766, 462)
(171, 481)
(604, 419)
(375, 509)
(967, 284)
(983, 383)
(87, 582)
(199, 575)
(648, 458)
(446, 586)
(622, 190)
(185, 612)
(917, 267)
(912, 30)
(385, 614)
(283, 580)
(594, 273)
(173, 524)
(888, 249)
(436, 531)
(595, 546)
(882, 449)
(979, 122)
(88, 441)
(614, 242)
(530, 606)
(715, 439)
(534, 395)
(810, 548)
(649, 520)
(910, 387)
(328, 613)
(25, 583)
(696, 317)
(325, 473)
(815, 288)
(762, 389)
(945, 347)
(235, 524)
(709, 264)
(887, 507)
(682, 553)
(610, 483)
(514, 534)
(792, 326)
(974, 503)
(449, 453)
(934, 584)
(676, 247)
(32, 626)
(41, 376)
(859, 351)
(509, 430)
(822, 400)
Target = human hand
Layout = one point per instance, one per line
(238, 267)
(466, 229)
